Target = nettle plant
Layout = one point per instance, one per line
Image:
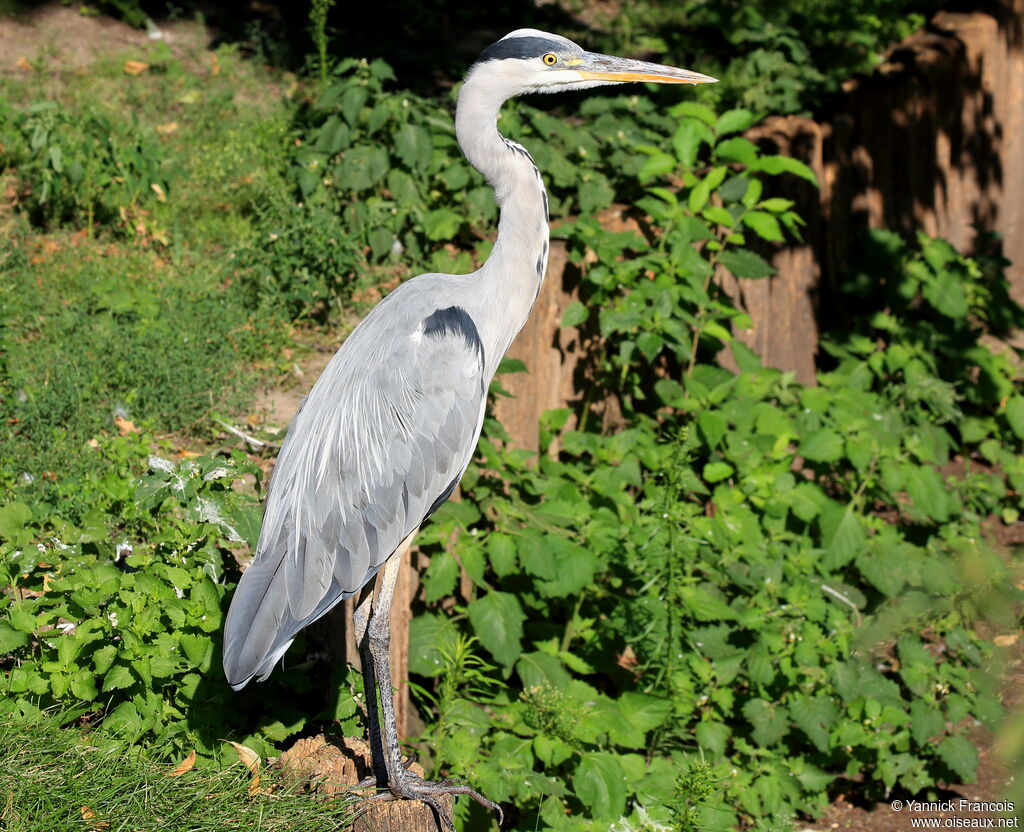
(84, 171)
(119, 615)
(756, 588)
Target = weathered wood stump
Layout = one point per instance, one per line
(330, 766)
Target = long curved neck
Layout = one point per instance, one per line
(511, 278)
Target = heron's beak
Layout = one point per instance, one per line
(596, 67)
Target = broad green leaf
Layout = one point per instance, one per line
(119, 676)
(815, 717)
(441, 224)
(945, 292)
(501, 550)
(734, 121)
(764, 225)
(746, 264)
(769, 721)
(848, 541)
(713, 426)
(1014, 416)
(717, 471)
(961, 756)
(824, 445)
(11, 639)
(775, 165)
(600, 782)
(440, 577)
(497, 620)
(13, 518)
(414, 147)
(712, 737)
(928, 492)
(575, 314)
(737, 149)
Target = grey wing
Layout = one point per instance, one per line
(379, 444)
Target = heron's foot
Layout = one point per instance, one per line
(413, 787)
(371, 781)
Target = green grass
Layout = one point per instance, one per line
(51, 777)
(121, 297)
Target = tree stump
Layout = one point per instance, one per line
(329, 766)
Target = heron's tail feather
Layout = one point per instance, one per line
(260, 625)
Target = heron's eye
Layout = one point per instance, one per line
(550, 59)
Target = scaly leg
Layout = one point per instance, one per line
(402, 784)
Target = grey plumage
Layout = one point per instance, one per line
(390, 426)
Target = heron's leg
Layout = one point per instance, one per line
(379, 642)
(360, 620)
(402, 784)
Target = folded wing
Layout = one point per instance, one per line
(378, 445)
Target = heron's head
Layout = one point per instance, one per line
(528, 60)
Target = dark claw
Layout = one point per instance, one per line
(413, 787)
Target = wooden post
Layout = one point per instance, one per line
(330, 766)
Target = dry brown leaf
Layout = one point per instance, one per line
(185, 765)
(135, 67)
(167, 129)
(23, 64)
(1006, 640)
(185, 454)
(161, 195)
(124, 427)
(88, 814)
(93, 443)
(254, 786)
(247, 756)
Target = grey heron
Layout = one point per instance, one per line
(391, 425)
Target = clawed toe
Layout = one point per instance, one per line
(412, 787)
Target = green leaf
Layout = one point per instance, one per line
(693, 109)
(430, 637)
(734, 121)
(824, 445)
(497, 620)
(124, 722)
(945, 292)
(928, 492)
(575, 314)
(441, 224)
(745, 264)
(600, 782)
(643, 711)
(414, 147)
(926, 722)
(961, 756)
(764, 225)
(13, 518)
(737, 149)
(11, 639)
(848, 541)
(713, 426)
(501, 550)
(440, 577)
(119, 676)
(712, 737)
(717, 471)
(815, 717)
(775, 165)
(769, 720)
(1014, 416)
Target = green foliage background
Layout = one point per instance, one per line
(747, 593)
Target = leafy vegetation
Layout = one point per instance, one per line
(735, 595)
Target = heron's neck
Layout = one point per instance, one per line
(512, 275)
